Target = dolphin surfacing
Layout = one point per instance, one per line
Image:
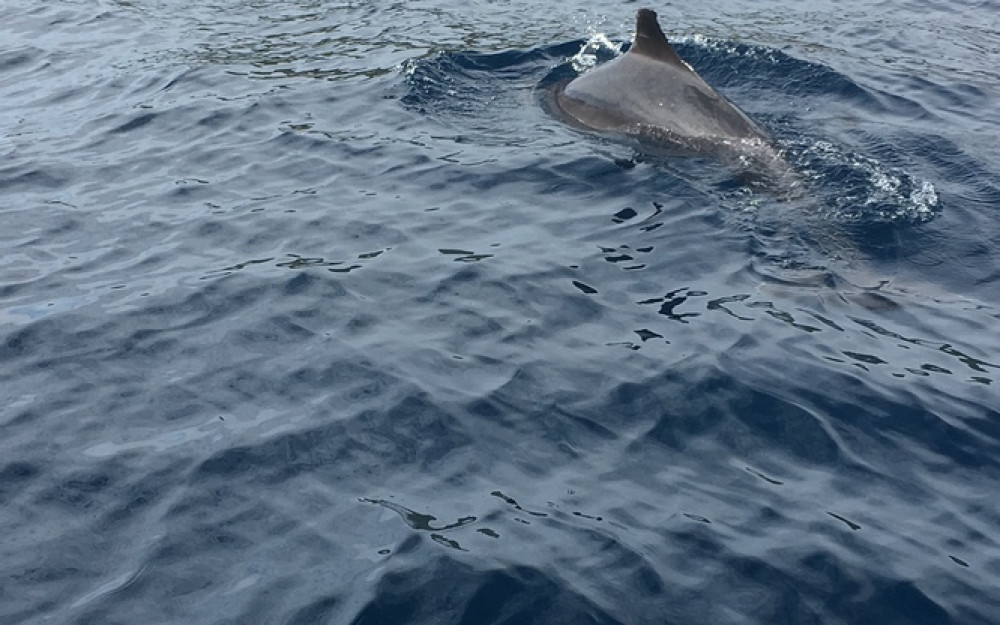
(650, 93)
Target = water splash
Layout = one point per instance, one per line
(862, 188)
(597, 46)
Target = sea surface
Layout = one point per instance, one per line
(313, 312)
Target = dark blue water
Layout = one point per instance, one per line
(313, 313)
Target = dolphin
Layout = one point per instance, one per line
(651, 94)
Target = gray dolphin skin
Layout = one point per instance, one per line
(651, 94)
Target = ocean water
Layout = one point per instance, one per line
(312, 312)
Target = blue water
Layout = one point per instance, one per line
(313, 313)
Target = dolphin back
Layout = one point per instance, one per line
(651, 91)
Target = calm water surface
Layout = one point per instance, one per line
(310, 312)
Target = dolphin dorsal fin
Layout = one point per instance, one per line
(650, 40)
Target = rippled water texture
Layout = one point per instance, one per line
(313, 313)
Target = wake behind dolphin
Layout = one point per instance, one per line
(651, 94)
